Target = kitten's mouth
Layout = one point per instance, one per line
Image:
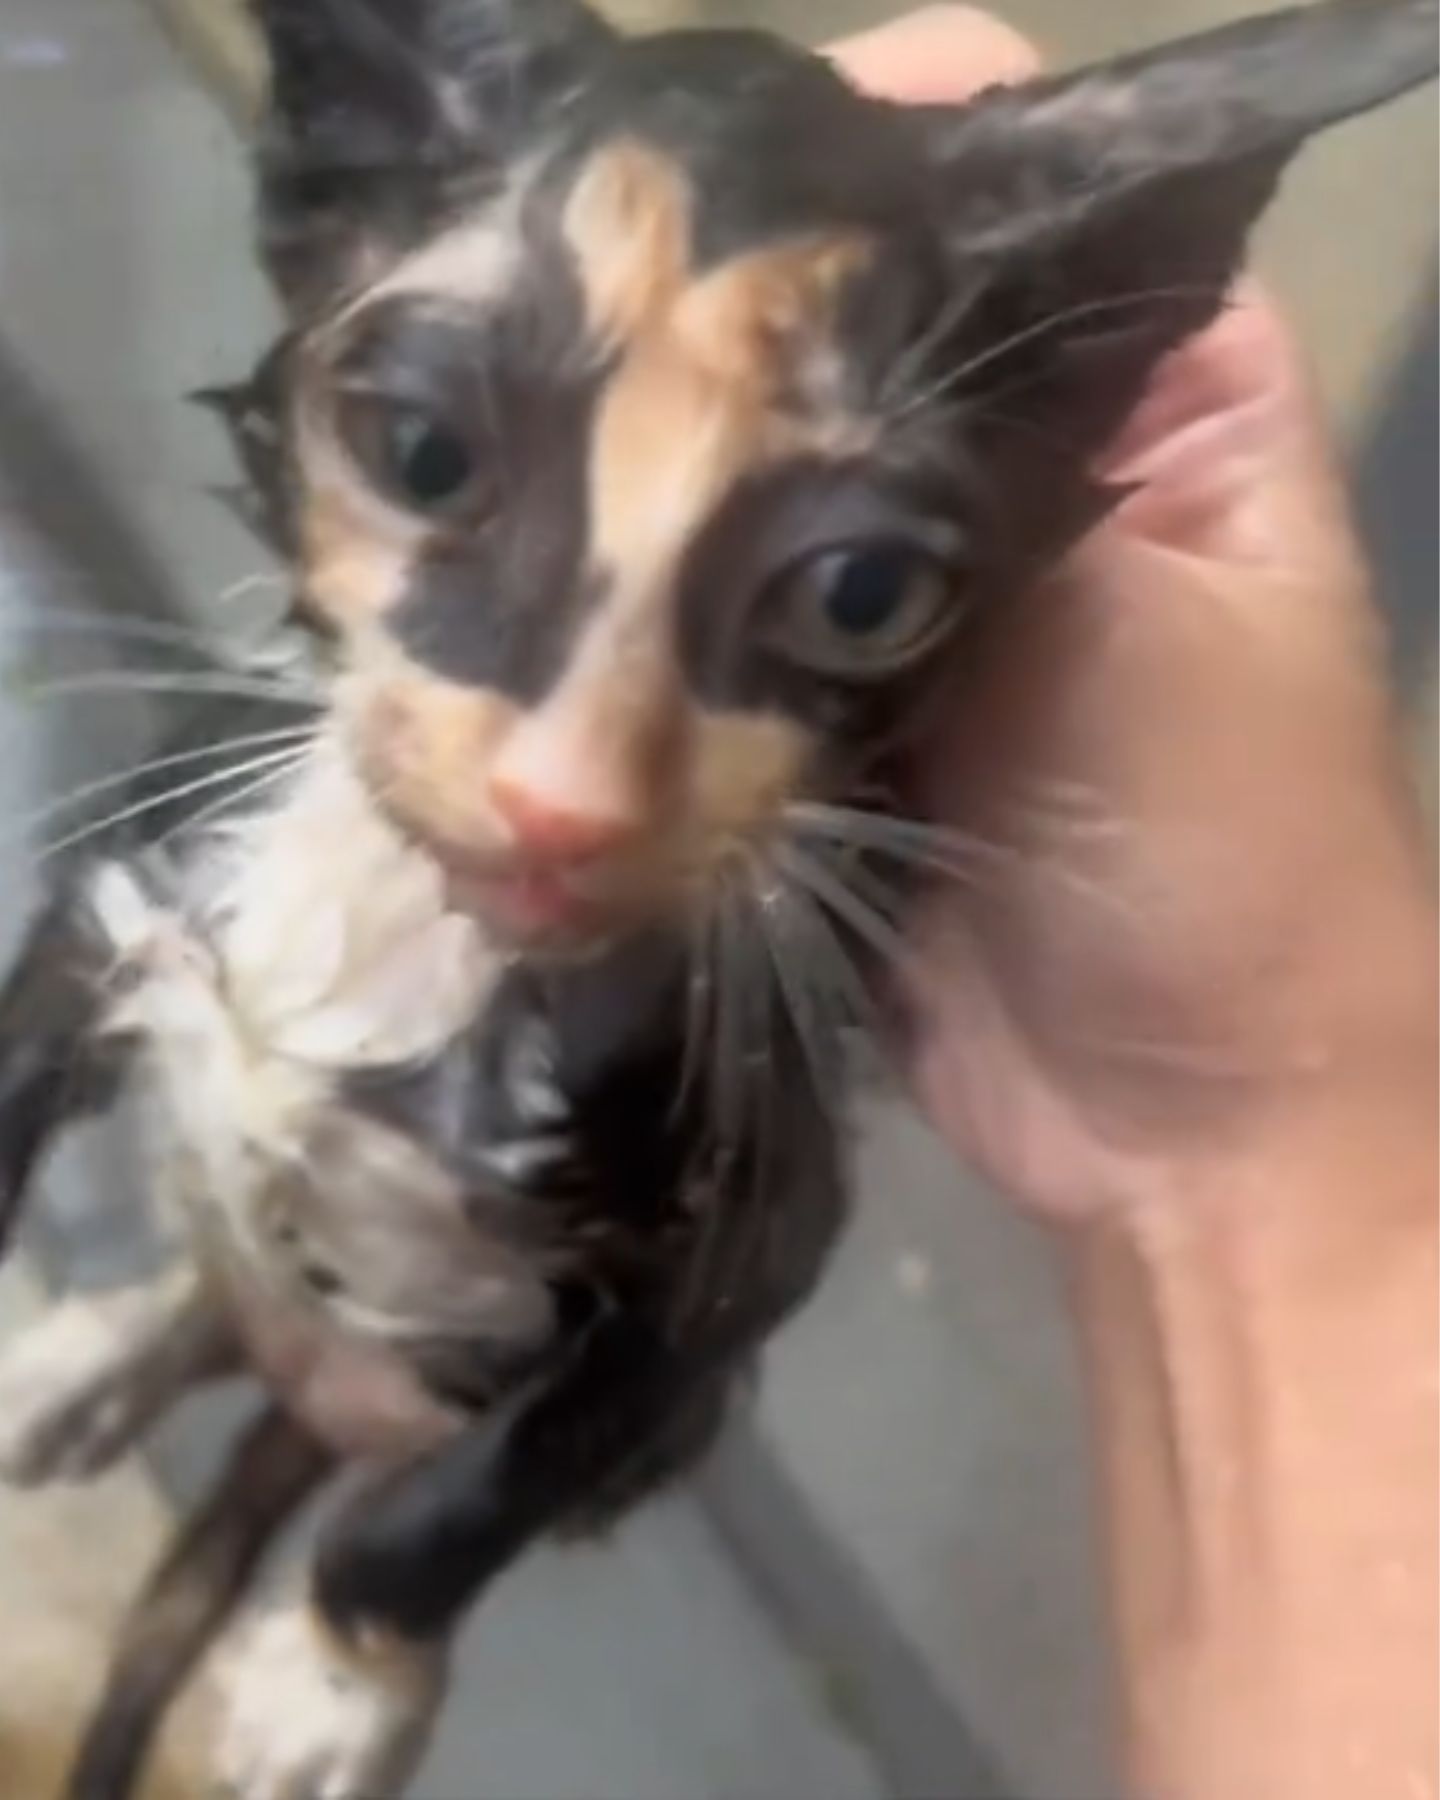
(531, 902)
(527, 902)
(535, 904)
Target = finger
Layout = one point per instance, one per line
(938, 53)
(1242, 357)
(1229, 454)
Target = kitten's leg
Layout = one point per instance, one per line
(272, 1472)
(81, 1385)
(335, 1698)
(51, 1066)
(365, 1661)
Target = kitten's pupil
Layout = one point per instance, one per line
(867, 588)
(431, 463)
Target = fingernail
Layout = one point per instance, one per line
(938, 53)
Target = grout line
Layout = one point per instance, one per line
(883, 1691)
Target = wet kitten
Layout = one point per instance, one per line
(653, 420)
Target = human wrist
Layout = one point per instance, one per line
(1338, 1155)
(1261, 1347)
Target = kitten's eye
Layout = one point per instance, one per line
(416, 458)
(430, 464)
(862, 611)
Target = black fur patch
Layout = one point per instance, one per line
(497, 603)
(387, 116)
(52, 1067)
(771, 140)
(692, 1253)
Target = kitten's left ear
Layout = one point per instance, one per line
(378, 107)
(1096, 220)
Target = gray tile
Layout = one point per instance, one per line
(927, 1406)
(638, 1671)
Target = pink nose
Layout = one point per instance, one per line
(552, 830)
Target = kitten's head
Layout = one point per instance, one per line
(656, 412)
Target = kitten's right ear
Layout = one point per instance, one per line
(1096, 220)
(378, 107)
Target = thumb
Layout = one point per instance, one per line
(938, 53)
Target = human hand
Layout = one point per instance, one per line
(1199, 901)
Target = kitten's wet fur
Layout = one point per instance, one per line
(653, 420)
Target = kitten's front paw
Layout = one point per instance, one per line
(74, 1393)
(307, 1716)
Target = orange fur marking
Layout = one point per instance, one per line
(710, 364)
(351, 569)
(627, 222)
(426, 744)
(746, 766)
(742, 321)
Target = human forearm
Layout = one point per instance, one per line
(1262, 1352)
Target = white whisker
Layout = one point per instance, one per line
(961, 856)
(76, 622)
(860, 875)
(854, 997)
(250, 584)
(810, 873)
(236, 687)
(906, 840)
(137, 809)
(1039, 328)
(950, 316)
(757, 991)
(226, 801)
(729, 1067)
(1066, 815)
(802, 1004)
(124, 777)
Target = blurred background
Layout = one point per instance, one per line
(883, 1585)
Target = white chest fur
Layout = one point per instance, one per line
(279, 955)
